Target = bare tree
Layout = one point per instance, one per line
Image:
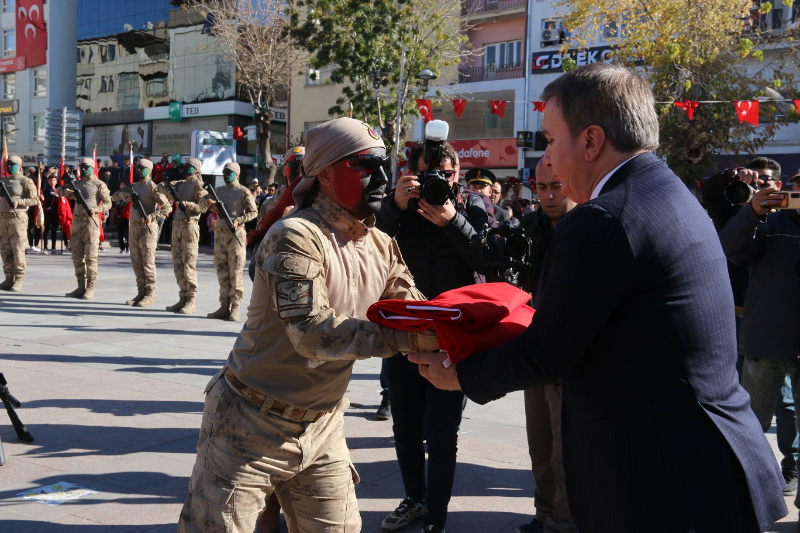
(250, 35)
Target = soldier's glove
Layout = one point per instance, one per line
(423, 341)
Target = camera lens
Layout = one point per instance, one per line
(739, 192)
(435, 191)
(517, 246)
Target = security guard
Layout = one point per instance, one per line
(273, 416)
(14, 223)
(186, 233)
(85, 235)
(230, 253)
(480, 181)
(143, 231)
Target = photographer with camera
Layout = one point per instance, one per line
(433, 222)
(724, 194)
(767, 240)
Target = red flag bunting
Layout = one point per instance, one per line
(498, 107)
(424, 107)
(539, 106)
(31, 34)
(130, 176)
(689, 106)
(797, 104)
(458, 106)
(96, 172)
(747, 111)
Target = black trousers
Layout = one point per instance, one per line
(422, 413)
(50, 228)
(122, 232)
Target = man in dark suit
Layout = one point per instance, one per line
(658, 436)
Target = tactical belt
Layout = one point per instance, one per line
(225, 229)
(82, 217)
(184, 222)
(139, 223)
(259, 399)
(11, 214)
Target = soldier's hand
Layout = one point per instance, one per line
(235, 224)
(423, 341)
(440, 215)
(407, 188)
(432, 368)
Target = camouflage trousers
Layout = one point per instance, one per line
(229, 259)
(84, 242)
(143, 253)
(13, 240)
(185, 241)
(244, 454)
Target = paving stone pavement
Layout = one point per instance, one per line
(114, 395)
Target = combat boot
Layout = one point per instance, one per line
(178, 306)
(7, 283)
(189, 308)
(234, 314)
(78, 293)
(223, 312)
(89, 293)
(17, 285)
(136, 298)
(148, 299)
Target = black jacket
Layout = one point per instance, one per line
(636, 316)
(440, 259)
(770, 247)
(539, 229)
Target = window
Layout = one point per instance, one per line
(39, 82)
(10, 128)
(318, 76)
(79, 54)
(111, 83)
(103, 85)
(553, 33)
(112, 52)
(8, 5)
(9, 86)
(9, 42)
(502, 55)
(38, 128)
(156, 87)
(310, 125)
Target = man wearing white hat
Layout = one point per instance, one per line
(274, 415)
(14, 222)
(186, 233)
(85, 235)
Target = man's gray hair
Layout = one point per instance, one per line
(610, 96)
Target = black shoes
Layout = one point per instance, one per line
(534, 527)
(790, 476)
(383, 412)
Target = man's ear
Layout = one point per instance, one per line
(779, 184)
(325, 177)
(593, 140)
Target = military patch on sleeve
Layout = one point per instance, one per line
(290, 266)
(294, 298)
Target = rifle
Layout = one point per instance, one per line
(9, 401)
(175, 196)
(222, 211)
(137, 203)
(7, 195)
(79, 197)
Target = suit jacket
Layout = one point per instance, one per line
(636, 315)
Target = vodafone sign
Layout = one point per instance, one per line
(492, 153)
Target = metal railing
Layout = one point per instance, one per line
(485, 6)
(490, 73)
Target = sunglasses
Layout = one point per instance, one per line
(368, 163)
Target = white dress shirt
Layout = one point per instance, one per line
(599, 187)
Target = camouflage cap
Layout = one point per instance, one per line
(232, 166)
(194, 162)
(86, 161)
(15, 159)
(146, 163)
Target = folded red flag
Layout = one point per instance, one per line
(466, 320)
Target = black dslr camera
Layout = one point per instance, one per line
(505, 250)
(434, 187)
(739, 192)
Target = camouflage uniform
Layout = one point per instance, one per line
(273, 416)
(230, 254)
(14, 230)
(143, 234)
(186, 236)
(85, 235)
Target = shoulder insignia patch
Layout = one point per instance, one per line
(294, 298)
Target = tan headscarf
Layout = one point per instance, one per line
(328, 143)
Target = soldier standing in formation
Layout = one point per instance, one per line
(85, 236)
(186, 233)
(230, 253)
(14, 223)
(143, 232)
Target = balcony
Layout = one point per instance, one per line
(490, 73)
(490, 6)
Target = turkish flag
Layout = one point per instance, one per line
(31, 33)
(797, 104)
(538, 106)
(424, 107)
(458, 106)
(747, 111)
(689, 106)
(65, 216)
(498, 107)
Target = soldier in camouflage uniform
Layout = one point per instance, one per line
(14, 223)
(273, 418)
(230, 254)
(186, 234)
(143, 232)
(85, 235)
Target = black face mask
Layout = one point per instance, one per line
(86, 170)
(373, 181)
(142, 172)
(229, 176)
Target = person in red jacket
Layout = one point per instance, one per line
(161, 167)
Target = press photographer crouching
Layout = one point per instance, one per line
(433, 222)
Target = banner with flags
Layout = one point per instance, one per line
(539, 106)
(458, 107)
(689, 106)
(747, 111)
(424, 107)
(498, 107)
